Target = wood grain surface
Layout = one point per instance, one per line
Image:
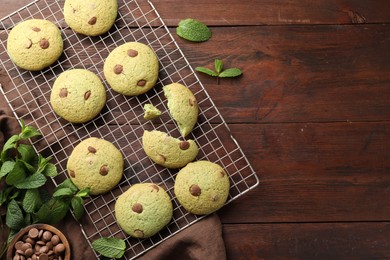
(312, 114)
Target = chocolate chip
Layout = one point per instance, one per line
(192, 102)
(43, 256)
(222, 173)
(72, 174)
(161, 158)
(36, 29)
(118, 69)
(87, 95)
(195, 190)
(132, 53)
(55, 240)
(141, 83)
(103, 170)
(92, 21)
(28, 44)
(58, 249)
(155, 187)
(33, 233)
(137, 208)
(29, 252)
(47, 236)
(138, 233)
(25, 246)
(63, 93)
(91, 149)
(44, 44)
(44, 249)
(184, 145)
(18, 245)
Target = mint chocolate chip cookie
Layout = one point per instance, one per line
(168, 151)
(92, 17)
(182, 106)
(131, 69)
(78, 95)
(202, 187)
(35, 44)
(143, 210)
(96, 164)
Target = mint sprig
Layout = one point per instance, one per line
(24, 196)
(110, 247)
(220, 72)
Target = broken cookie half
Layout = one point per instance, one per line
(168, 151)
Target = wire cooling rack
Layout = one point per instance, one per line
(121, 121)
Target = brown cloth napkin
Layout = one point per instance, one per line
(202, 240)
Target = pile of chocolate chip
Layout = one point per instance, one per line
(39, 244)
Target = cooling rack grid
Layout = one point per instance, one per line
(121, 121)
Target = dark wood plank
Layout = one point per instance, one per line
(266, 12)
(308, 241)
(260, 12)
(314, 172)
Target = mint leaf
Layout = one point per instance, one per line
(83, 192)
(4, 195)
(67, 184)
(11, 143)
(193, 30)
(28, 132)
(17, 174)
(42, 162)
(77, 204)
(52, 211)
(27, 152)
(109, 247)
(218, 64)
(207, 71)
(31, 182)
(229, 73)
(14, 218)
(63, 192)
(32, 201)
(50, 170)
(6, 168)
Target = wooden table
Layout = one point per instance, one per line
(312, 114)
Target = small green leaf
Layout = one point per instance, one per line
(28, 132)
(218, 64)
(52, 211)
(67, 184)
(63, 192)
(6, 168)
(31, 169)
(232, 72)
(50, 170)
(32, 182)
(14, 218)
(4, 194)
(27, 152)
(42, 163)
(11, 143)
(83, 192)
(109, 247)
(77, 204)
(32, 201)
(207, 71)
(17, 174)
(193, 30)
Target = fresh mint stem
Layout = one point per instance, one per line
(219, 71)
